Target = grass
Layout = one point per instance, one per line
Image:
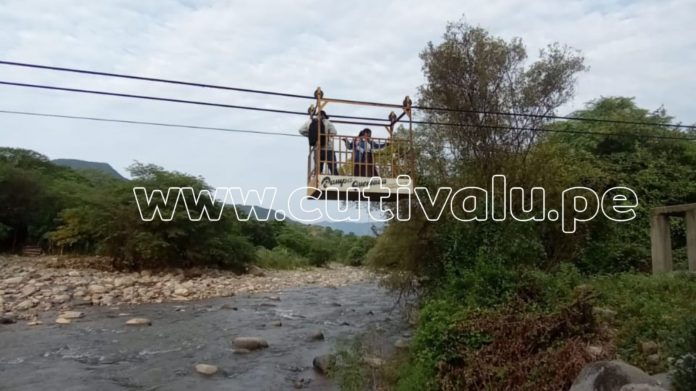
(648, 308)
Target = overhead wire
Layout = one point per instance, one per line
(291, 95)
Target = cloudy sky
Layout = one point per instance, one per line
(352, 49)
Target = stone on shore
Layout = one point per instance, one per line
(610, 376)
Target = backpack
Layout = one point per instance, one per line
(314, 131)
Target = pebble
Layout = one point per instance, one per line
(72, 314)
(206, 369)
(139, 322)
(62, 320)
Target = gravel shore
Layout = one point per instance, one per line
(31, 285)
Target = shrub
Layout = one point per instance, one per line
(649, 308)
(683, 347)
(279, 258)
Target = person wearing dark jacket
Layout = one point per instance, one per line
(327, 155)
(363, 158)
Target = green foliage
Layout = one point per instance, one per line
(649, 308)
(684, 350)
(279, 258)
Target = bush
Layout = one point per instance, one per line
(279, 258)
(684, 349)
(648, 308)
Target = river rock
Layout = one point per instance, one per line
(13, 280)
(181, 292)
(72, 314)
(24, 305)
(61, 320)
(256, 271)
(29, 290)
(401, 344)
(139, 322)
(324, 363)
(653, 359)
(317, 336)
(7, 320)
(276, 323)
(206, 369)
(60, 299)
(609, 376)
(96, 289)
(74, 273)
(250, 343)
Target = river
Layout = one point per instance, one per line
(99, 352)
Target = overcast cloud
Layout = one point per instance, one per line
(353, 49)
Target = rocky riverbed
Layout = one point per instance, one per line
(73, 324)
(31, 286)
(245, 342)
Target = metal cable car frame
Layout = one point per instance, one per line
(314, 190)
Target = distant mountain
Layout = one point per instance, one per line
(76, 164)
(358, 229)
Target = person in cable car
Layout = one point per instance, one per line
(363, 158)
(327, 130)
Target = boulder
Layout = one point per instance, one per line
(60, 299)
(324, 363)
(250, 343)
(7, 320)
(610, 376)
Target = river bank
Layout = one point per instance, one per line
(30, 286)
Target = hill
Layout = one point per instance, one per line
(76, 164)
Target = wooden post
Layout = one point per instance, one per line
(661, 243)
(690, 218)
